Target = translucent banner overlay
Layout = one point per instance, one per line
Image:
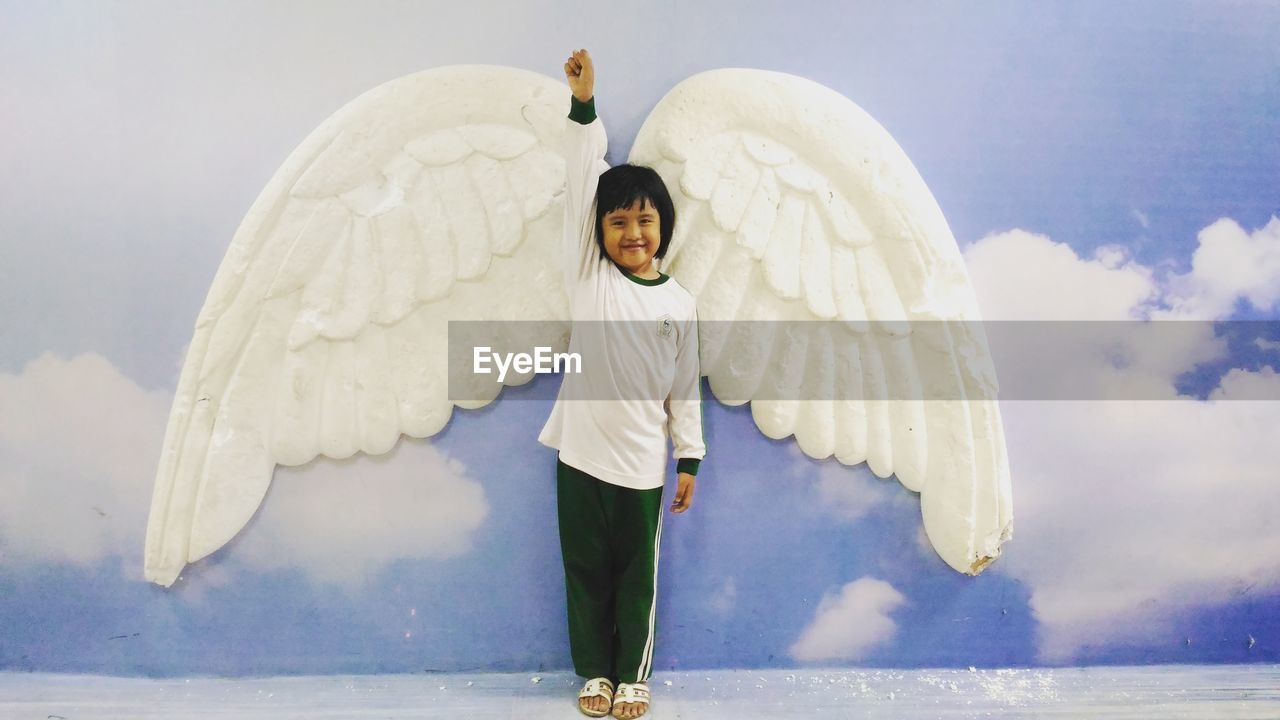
(839, 361)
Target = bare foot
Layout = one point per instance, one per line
(629, 710)
(595, 705)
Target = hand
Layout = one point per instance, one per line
(684, 493)
(581, 74)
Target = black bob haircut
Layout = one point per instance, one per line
(623, 186)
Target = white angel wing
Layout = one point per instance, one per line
(795, 206)
(430, 198)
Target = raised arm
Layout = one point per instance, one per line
(584, 147)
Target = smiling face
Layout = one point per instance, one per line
(631, 237)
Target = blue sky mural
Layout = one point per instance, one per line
(1095, 162)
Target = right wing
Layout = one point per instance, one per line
(832, 295)
(431, 198)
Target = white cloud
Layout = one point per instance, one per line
(78, 449)
(849, 622)
(1264, 344)
(79, 443)
(1023, 276)
(1113, 257)
(1128, 511)
(725, 597)
(924, 544)
(345, 521)
(1240, 384)
(1229, 264)
(849, 493)
(1085, 341)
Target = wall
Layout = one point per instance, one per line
(1093, 161)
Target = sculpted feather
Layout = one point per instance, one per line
(436, 197)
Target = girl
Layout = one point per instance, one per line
(636, 330)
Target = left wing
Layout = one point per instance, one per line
(430, 198)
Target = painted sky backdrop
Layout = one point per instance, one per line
(1094, 162)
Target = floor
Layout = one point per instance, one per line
(1241, 692)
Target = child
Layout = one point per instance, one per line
(639, 383)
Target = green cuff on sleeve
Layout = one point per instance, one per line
(688, 465)
(582, 112)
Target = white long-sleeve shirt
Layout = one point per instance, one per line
(638, 339)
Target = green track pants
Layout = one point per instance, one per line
(609, 537)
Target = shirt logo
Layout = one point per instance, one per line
(665, 326)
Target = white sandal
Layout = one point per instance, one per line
(633, 693)
(596, 687)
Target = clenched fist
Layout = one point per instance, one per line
(581, 75)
